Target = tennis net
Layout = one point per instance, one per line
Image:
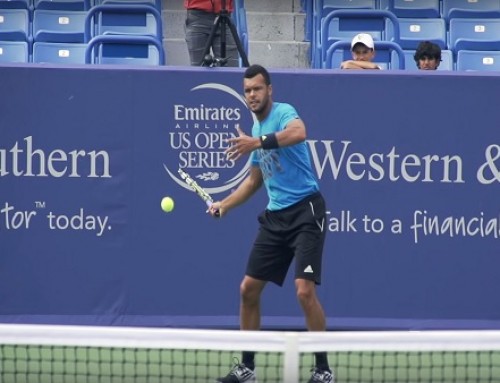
(88, 354)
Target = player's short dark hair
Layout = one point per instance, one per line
(427, 49)
(255, 69)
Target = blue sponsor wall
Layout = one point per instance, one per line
(409, 164)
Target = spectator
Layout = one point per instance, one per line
(363, 53)
(427, 56)
(200, 19)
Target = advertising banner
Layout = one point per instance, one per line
(408, 163)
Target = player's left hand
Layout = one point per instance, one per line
(243, 144)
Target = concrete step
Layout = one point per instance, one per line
(276, 33)
(271, 54)
(283, 26)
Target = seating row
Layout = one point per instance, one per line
(105, 49)
(59, 35)
(445, 9)
(139, 25)
(471, 34)
(69, 5)
(407, 33)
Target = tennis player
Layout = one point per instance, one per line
(293, 224)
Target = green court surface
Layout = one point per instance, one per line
(65, 364)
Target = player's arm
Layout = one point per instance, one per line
(245, 190)
(294, 132)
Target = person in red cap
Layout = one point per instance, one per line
(200, 18)
(363, 53)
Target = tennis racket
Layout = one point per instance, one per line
(198, 189)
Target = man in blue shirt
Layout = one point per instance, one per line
(293, 224)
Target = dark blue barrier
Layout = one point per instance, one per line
(408, 163)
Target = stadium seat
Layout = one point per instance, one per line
(446, 60)
(478, 60)
(470, 9)
(326, 6)
(155, 3)
(308, 9)
(341, 50)
(413, 8)
(65, 5)
(59, 26)
(16, 4)
(14, 25)
(413, 31)
(474, 34)
(59, 53)
(240, 20)
(410, 64)
(14, 51)
(130, 19)
(125, 50)
(320, 9)
(343, 25)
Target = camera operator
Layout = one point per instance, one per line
(200, 19)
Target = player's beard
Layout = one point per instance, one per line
(261, 106)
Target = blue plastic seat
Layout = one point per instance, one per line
(341, 50)
(59, 53)
(308, 8)
(343, 25)
(240, 20)
(16, 4)
(410, 64)
(155, 3)
(59, 26)
(470, 9)
(474, 34)
(65, 5)
(125, 50)
(326, 6)
(413, 8)
(14, 51)
(413, 31)
(478, 60)
(320, 9)
(123, 19)
(14, 25)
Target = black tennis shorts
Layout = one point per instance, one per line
(295, 232)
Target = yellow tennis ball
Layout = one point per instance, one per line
(167, 204)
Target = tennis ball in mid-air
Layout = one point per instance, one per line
(167, 204)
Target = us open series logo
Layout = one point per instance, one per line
(198, 133)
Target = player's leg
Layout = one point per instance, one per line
(310, 304)
(309, 227)
(269, 260)
(250, 292)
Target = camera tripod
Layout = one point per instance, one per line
(223, 21)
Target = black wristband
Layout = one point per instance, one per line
(269, 141)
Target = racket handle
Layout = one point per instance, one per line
(217, 212)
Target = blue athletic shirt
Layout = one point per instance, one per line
(286, 171)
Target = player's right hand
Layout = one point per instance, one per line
(215, 210)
